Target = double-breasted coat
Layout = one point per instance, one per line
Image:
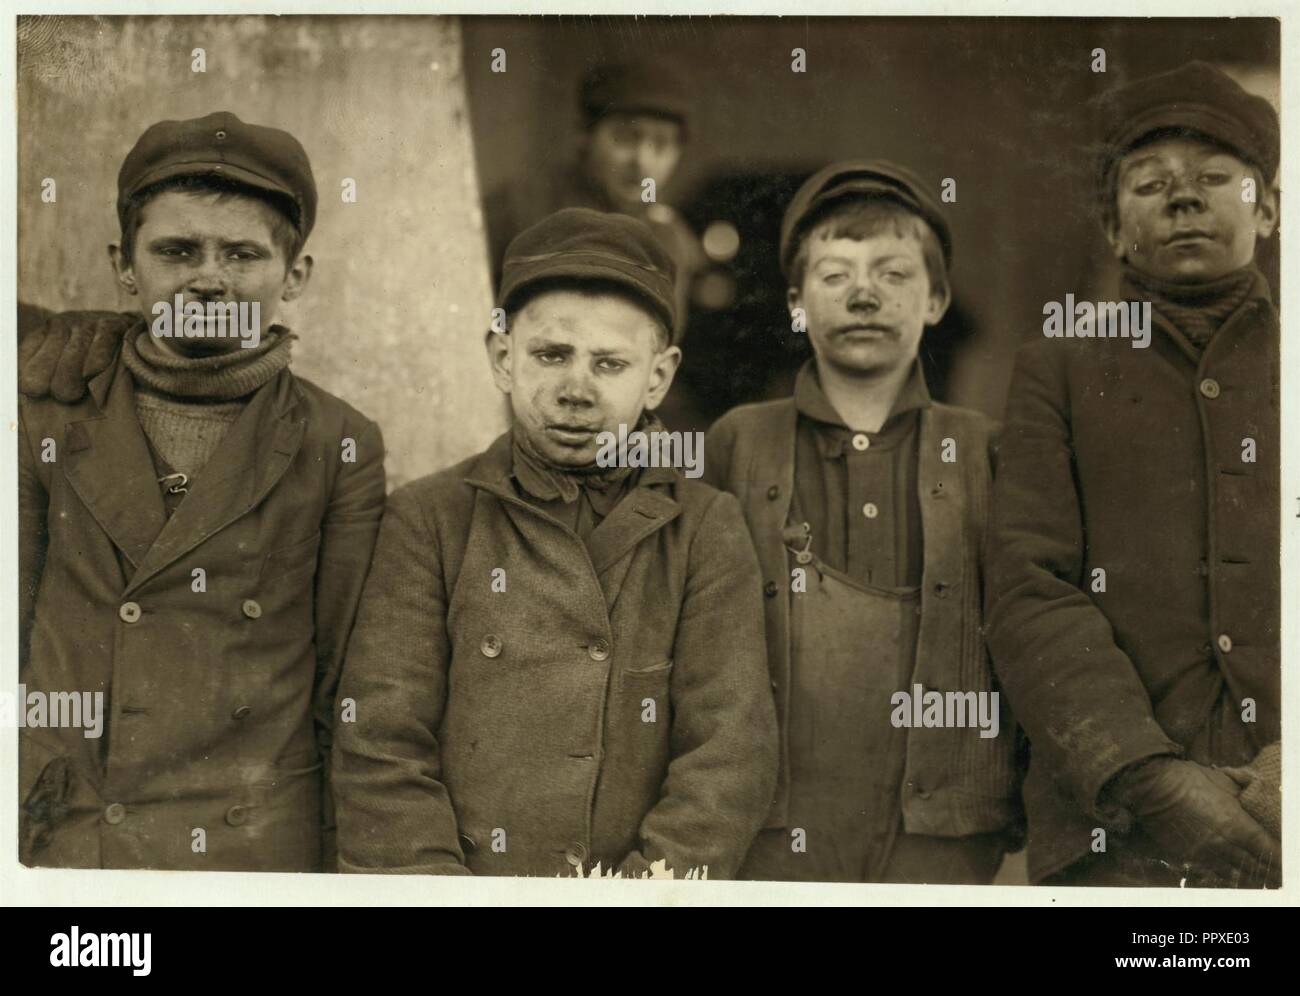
(527, 703)
(215, 636)
(1133, 579)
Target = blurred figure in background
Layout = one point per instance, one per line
(635, 119)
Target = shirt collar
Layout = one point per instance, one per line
(833, 435)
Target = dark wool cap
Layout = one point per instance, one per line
(859, 178)
(223, 146)
(582, 244)
(638, 87)
(1195, 99)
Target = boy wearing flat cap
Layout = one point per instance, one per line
(557, 665)
(866, 500)
(634, 121)
(1134, 580)
(196, 523)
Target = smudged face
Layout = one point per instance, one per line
(867, 300)
(1187, 211)
(206, 247)
(577, 364)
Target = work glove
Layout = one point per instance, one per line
(1193, 816)
(61, 356)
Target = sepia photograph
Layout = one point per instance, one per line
(743, 452)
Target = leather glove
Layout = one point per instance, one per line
(60, 357)
(1192, 814)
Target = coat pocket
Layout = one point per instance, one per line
(647, 691)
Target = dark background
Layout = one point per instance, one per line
(995, 103)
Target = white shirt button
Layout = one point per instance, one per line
(861, 441)
(870, 510)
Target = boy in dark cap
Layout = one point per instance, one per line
(1133, 583)
(559, 666)
(635, 117)
(866, 501)
(195, 529)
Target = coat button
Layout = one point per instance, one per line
(921, 793)
(576, 853)
(221, 136)
(870, 510)
(773, 493)
(130, 612)
(1210, 387)
(491, 645)
(861, 441)
(114, 813)
(243, 712)
(770, 589)
(237, 816)
(941, 588)
(1225, 643)
(599, 650)
(252, 609)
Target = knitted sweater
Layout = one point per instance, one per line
(186, 404)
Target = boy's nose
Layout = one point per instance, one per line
(576, 391)
(863, 295)
(208, 280)
(1183, 193)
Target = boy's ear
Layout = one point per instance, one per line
(662, 369)
(123, 270)
(1266, 211)
(498, 345)
(938, 305)
(1110, 228)
(296, 277)
(792, 298)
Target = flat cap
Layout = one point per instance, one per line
(581, 244)
(1196, 98)
(634, 87)
(859, 178)
(221, 145)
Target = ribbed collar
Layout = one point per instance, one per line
(1197, 310)
(222, 377)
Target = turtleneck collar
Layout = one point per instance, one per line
(222, 377)
(1197, 310)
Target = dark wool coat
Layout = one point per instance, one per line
(527, 704)
(219, 702)
(1158, 467)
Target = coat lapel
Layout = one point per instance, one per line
(642, 512)
(106, 460)
(252, 456)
